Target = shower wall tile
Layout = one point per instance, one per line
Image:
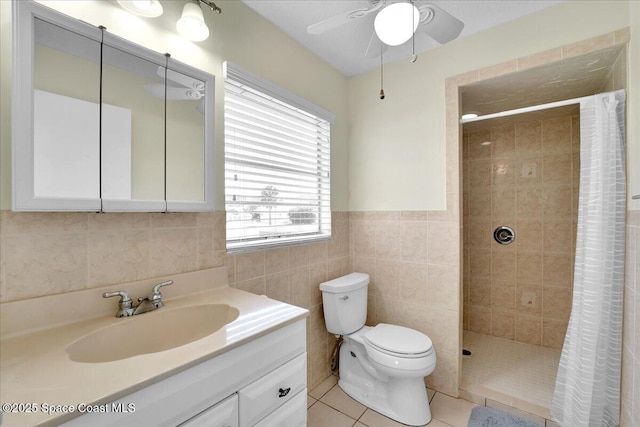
(521, 291)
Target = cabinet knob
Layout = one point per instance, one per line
(284, 391)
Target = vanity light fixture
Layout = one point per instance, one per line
(396, 23)
(146, 8)
(191, 24)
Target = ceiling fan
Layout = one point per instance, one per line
(432, 20)
(178, 88)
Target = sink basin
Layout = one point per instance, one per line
(151, 332)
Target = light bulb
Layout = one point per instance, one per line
(142, 4)
(396, 23)
(191, 24)
(146, 8)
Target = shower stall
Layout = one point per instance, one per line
(533, 341)
(521, 173)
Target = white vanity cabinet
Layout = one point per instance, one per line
(260, 383)
(223, 414)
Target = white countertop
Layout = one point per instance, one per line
(36, 370)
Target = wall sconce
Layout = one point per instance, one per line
(191, 24)
(146, 8)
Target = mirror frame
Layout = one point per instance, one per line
(24, 12)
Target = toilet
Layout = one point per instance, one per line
(383, 367)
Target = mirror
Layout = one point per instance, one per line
(186, 104)
(66, 114)
(102, 124)
(132, 131)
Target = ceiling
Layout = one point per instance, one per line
(344, 47)
(570, 78)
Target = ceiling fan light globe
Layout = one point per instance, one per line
(396, 23)
(191, 24)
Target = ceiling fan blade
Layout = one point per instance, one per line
(172, 93)
(182, 79)
(375, 47)
(343, 18)
(438, 24)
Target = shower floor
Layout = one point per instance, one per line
(513, 373)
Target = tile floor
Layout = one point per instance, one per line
(510, 372)
(329, 406)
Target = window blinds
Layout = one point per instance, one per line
(277, 165)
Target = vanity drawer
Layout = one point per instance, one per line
(223, 414)
(264, 395)
(291, 414)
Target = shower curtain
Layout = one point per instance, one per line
(587, 389)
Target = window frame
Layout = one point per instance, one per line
(240, 76)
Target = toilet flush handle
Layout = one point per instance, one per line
(344, 298)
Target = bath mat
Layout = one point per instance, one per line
(482, 416)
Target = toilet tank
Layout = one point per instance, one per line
(344, 301)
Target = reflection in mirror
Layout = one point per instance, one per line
(185, 137)
(66, 118)
(132, 127)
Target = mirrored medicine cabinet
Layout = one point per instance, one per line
(102, 124)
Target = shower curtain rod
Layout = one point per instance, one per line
(526, 109)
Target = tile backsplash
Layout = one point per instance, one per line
(55, 252)
(49, 253)
(524, 176)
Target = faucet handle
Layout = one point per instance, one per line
(156, 288)
(125, 305)
(124, 297)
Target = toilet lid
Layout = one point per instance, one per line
(398, 339)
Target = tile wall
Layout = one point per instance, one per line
(630, 396)
(52, 253)
(524, 176)
(293, 274)
(412, 258)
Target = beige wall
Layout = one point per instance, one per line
(527, 178)
(397, 146)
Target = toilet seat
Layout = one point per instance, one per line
(398, 341)
(397, 349)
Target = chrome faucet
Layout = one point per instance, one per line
(145, 304)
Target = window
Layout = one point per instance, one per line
(277, 165)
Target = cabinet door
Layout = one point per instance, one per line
(223, 414)
(291, 414)
(56, 104)
(133, 127)
(189, 142)
(273, 390)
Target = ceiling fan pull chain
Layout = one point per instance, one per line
(381, 76)
(414, 57)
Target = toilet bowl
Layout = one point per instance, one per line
(382, 367)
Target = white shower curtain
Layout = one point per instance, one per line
(587, 389)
